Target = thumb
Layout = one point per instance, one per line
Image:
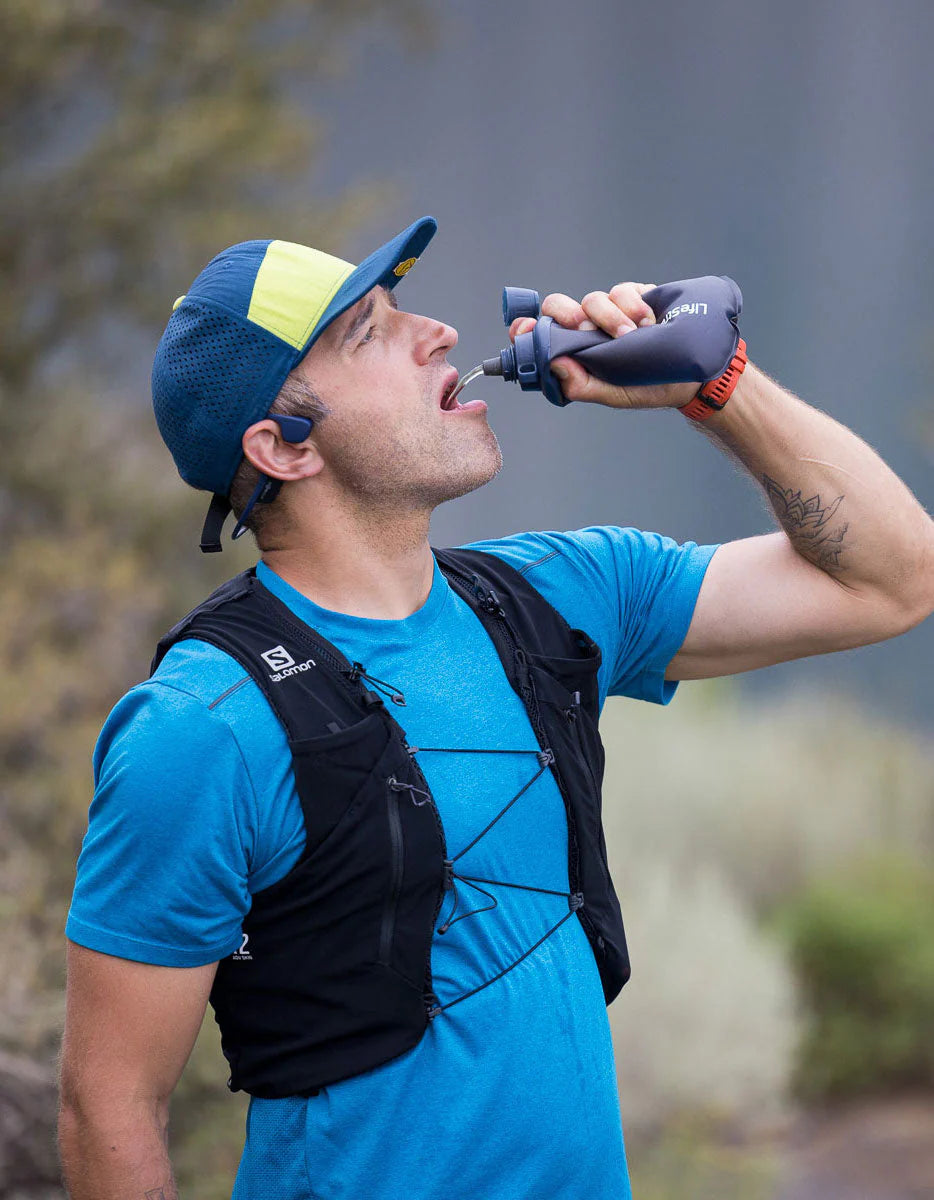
(574, 380)
(521, 325)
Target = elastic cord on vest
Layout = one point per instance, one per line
(357, 671)
(545, 759)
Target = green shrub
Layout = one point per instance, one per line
(862, 943)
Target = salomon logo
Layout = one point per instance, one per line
(278, 658)
(283, 664)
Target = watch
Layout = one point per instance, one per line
(715, 392)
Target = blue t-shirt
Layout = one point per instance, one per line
(511, 1094)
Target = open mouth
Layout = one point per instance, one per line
(448, 402)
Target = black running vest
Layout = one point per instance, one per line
(333, 974)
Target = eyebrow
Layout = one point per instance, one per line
(365, 313)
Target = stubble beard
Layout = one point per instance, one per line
(418, 471)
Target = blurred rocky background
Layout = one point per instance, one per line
(772, 837)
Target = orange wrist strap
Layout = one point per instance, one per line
(715, 393)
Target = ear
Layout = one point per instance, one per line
(268, 451)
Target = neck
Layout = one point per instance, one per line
(375, 564)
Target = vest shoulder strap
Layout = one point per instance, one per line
(490, 584)
(310, 685)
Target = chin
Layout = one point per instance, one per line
(457, 477)
(484, 467)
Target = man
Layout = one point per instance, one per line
(215, 806)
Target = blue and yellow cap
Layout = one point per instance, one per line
(248, 319)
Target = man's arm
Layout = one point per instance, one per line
(854, 562)
(129, 1029)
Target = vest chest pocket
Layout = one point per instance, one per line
(375, 851)
(416, 854)
(568, 686)
(332, 773)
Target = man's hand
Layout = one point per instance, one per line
(617, 312)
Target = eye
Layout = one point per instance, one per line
(368, 336)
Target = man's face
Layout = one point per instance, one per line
(388, 438)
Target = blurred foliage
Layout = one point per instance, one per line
(693, 1158)
(770, 793)
(708, 1023)
(718, 815)
(862, 943)
(138, 138)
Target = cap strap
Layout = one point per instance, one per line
(214, 523)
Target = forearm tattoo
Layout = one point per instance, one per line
(810, 526)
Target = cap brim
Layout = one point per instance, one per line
(384, 267)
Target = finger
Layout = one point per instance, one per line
(521, 325)
(606, 314)
(564, 310)
(628, 298)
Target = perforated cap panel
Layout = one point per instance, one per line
(214, 374)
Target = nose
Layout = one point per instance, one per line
(433, 338)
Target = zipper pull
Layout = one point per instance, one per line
(396, 785)
(357, 671)
(488, 600)
(494, 605)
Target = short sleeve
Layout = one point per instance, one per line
(163, 872)
(633, 592)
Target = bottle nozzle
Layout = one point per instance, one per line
(493, 366)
